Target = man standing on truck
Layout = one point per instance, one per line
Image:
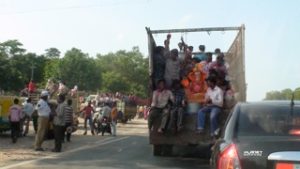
(31, 87)
(172, 71)
(201, 56)
(213, 105)
(159, 106)
(159, 64)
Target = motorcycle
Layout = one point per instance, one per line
(103, 126)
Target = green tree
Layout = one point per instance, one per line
(285, 94)
(52, 53)
(130, 69)
(12, 48)
(77, 68)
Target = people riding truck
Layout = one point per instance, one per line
(213, 106)
(179, 104)
(172, 71)
(31, 87)
(160, 106)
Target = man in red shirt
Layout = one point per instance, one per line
(88, 116)
(31, 86)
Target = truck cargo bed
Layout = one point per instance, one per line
(188, 135)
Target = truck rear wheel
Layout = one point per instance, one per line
(157, 150)
(167, 150)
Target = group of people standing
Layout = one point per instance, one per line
(179, 75)
(60, 115)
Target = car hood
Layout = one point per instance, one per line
(254, 151)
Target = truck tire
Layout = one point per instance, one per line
(167, 150)
(157, 150)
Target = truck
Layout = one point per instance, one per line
(234, 57)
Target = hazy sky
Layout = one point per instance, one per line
(102, 26)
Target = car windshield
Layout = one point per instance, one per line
(266, 120)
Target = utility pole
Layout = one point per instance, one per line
(32, 71)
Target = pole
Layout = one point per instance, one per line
(32, 71)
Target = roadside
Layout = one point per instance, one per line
(23, 149)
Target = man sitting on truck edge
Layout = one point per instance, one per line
(213, 105)
(159, 106)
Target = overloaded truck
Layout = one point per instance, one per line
(234, 58)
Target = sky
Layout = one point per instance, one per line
(103, 26)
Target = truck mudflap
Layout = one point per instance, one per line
(188, 135)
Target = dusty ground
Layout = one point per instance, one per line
(23, 150)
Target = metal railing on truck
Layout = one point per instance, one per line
(235, 56)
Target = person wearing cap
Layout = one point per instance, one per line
(213, 106)
(28, 109)
(43, 110)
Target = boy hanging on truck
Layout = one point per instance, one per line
(160, 106)
(179, 105)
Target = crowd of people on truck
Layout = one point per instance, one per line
(52, 86)
(181, 77)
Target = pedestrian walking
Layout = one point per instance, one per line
(59, 123)
(15, 116)
(28, 109)
(69, 120)
(44, 111)
(88, 116)
(114, 118)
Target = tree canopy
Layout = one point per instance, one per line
(122, 71)
(285, 94)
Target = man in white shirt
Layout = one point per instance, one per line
(43, 110)
(28, 109)
(213, 105)
(159, 106)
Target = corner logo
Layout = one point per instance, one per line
(253, 153)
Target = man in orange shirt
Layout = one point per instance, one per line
(114, 118)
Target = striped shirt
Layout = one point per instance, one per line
(68, 114)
